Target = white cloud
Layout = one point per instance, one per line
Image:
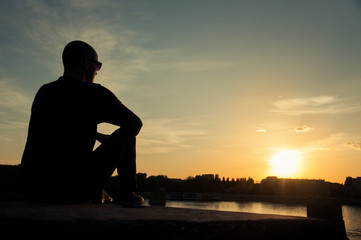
(318, 149)
(261, 130)
(317, 105)
(302, 129)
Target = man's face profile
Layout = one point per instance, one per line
(92, 66)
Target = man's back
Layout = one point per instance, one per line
(62, 130)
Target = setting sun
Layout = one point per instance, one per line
(285, 163)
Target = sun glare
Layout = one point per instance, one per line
(285, 163)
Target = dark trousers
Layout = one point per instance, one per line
(78, 183)
(118, 152)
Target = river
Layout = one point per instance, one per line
(351, 214)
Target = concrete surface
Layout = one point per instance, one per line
(93, 221)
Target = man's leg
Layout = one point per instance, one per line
(126, 168)
(117, 152)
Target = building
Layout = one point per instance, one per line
(353, 186)
(296, 187)
(208, 176)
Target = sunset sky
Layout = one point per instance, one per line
(223, 87)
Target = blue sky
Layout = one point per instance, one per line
(221, 86)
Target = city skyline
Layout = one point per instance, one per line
(238, 88)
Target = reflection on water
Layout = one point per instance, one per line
(351, 214)
(251, 207)
(352, 218)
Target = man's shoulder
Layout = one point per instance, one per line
(100, 88)
(70, 83)
(96, 86)
(104, 94)
(53, 83)
(80, 87)
(48, 86)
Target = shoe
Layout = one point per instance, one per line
(132, 201)
(107, 198)
(102, 197)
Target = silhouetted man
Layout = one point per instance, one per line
(59, 163)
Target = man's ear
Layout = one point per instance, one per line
(86, 63)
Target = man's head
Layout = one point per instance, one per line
(80, 59)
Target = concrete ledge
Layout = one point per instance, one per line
(92, 221)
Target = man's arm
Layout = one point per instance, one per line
(132, 124)
(101, 137)
(114, 112)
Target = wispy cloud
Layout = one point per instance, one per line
(48, 26)
(317, 105)
(356, 145)
(15, 106)
(53, 24)
(82, 4)
(333, 142)
(162, 135)
(196, 66)
(13, 98)
(165, 135)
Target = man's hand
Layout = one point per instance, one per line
(101, 137)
